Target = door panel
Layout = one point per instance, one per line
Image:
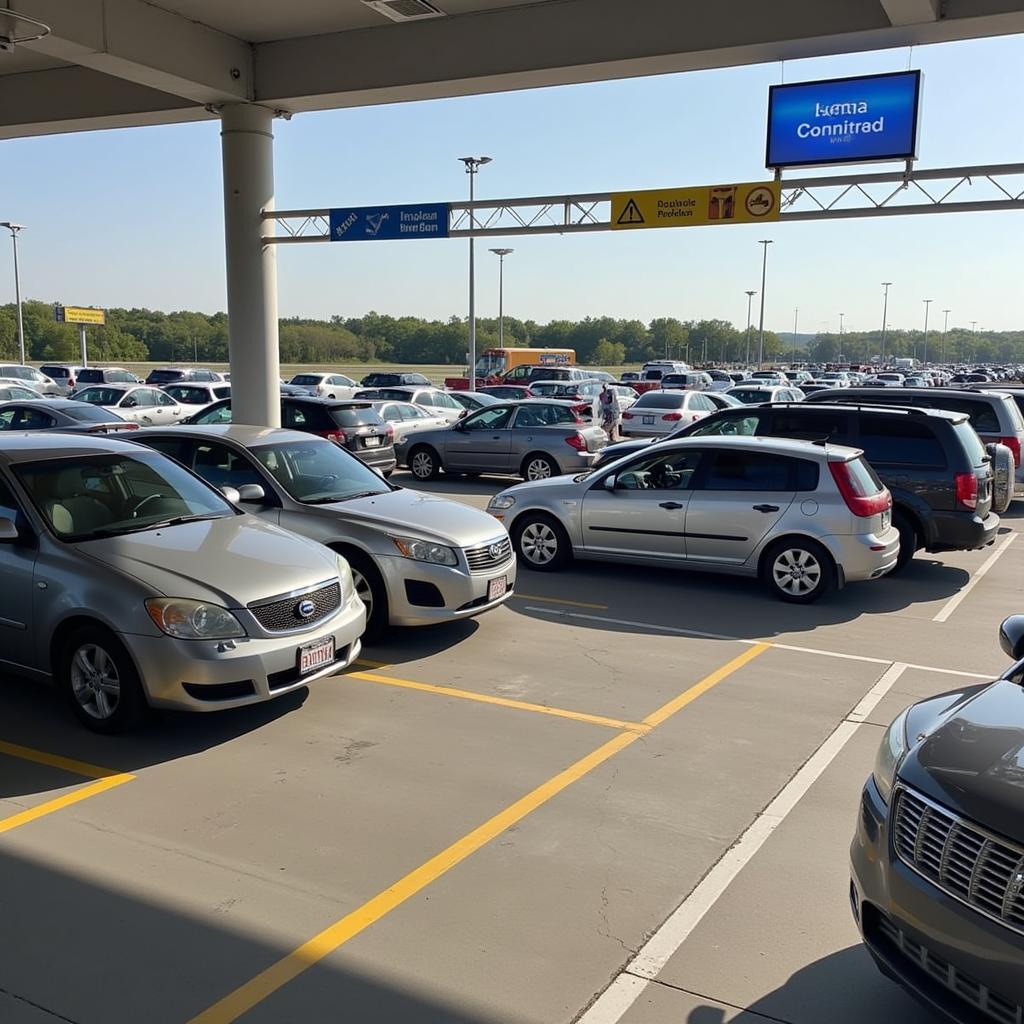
(17, 569)
(482, 444)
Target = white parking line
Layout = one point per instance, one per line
(655, 953)
(954, 602)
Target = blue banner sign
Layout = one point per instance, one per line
(844, 120)
(368, 223)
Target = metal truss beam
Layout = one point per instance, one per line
(889, 194)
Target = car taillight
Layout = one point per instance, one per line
(967, 490)
(577, 441)
(337, 436)
(391, 433)
(1013, 443)
(672, 416)
(627, 415)
(853, 492)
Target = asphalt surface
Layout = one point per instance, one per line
(486, 823)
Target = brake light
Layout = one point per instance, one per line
(1013, 443)
(337, 436)
(967, 490)
(627, 415)
(577, 441)
(854, 491)
(391, 433)
(672, 416)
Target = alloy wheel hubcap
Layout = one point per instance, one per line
(364, 590)
(539, 543)
(95, 682)
(422, 465)
(796, 572)
(538, 470)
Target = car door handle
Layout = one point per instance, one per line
(766, 508)
(672, 505)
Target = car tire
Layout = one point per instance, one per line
(370, 587)
(424, 463)
(538, 466)
(909, 542)
(541, 542)
(798, 570)
(100, 680)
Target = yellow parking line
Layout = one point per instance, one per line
(559, 600)
(244, 998)
(505, 702)
(373, 664)
(90, 771)
(34, 813)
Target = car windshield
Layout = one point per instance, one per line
(89, 413)
(97, 496)
(100, 396)
(317, 472)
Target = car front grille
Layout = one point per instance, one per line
(489, 556)
(990, 1003)
(282, 616)
(964, 860)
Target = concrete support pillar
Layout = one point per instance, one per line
(247, 144)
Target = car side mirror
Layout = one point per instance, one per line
(610, 482)
(252, 494)
(231, 494)
(459, 425)
(8, 531)
(1011, 636)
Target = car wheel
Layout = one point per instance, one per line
(908, 540)
(541, 543)
(798, 570)
(424, 463)
(100, 679)
(538, 467)
(370, 587)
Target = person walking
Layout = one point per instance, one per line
(611, 412)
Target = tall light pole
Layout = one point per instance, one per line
(750, 299)
(14, 229)
(764, 270)
(885, 313)
(927, 303)
(501, 254)
(945, 324)
(796, 314)
(473, 164)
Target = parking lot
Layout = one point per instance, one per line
(625, 795)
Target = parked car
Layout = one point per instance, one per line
(932, 462)
(473, 400)
(535, 439)
(196, 396)
(756, 394)
(629, 377)
(104, 375)
(137, 403)
(389, 379)
(723, 400)
(434, 400)
(508, 392)
(936, 857)
(61, 414)
(63, 376)
(810, 389)
(406, 421)
(12, 392)
(802, 517)
(414, 563)
(657, 413)
(692, 380)
(32, 377)
(182, 375)
(325, 385)
(355, 426)
(721, 380)
(151, 601)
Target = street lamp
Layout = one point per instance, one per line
(885, 312)
(14, 229)
(750, 298)
(501, 254)
(764, 270)
(473, 164)
(945, 324)
(927, 303)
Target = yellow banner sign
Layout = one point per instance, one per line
(84, 315)
(703, 204)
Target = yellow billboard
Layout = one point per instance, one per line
(745, 203)
(84, 315)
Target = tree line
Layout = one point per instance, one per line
(144, 335)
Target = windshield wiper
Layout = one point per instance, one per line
(343, 497)
(116, 531)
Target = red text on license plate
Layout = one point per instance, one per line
(497, 588)
(314, 656)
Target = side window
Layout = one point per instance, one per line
(743, 426)
(749, 471)
(222, 414)
(32, 419)
(559, 414)
(672, 471)
(9, 508)
(144, 397)
(294, 417)
(900, 441)
(529, 416)
(810, 426)
(701, 403)
(488, 419)
(7, 419)
(162, 398)
(222, 392)
(217, 464)
(169, 446)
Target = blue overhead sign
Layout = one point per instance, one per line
(368, 223)
(844, 120)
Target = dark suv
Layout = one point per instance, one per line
(182, 375)
(932, 461)
(355, 426)
(394, 380)
(937, 861)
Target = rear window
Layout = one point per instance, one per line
(305, 379)
(55, 371)
(88, 413)
(190, 396)
(973, 444)
(90, 377)
(356, 417)
(900, 441)
(660, 400)
(751, 396)
(100, 396)
(164, 376)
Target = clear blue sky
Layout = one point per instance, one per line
(133, 217)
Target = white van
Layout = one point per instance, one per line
(659, 367)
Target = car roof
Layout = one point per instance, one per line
(37, 446)
(888, 410)
(774, 445)
(927, 392)
(49, 403)
(117, 386)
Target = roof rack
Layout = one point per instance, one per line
(910, 411)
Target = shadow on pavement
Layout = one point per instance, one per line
(402, 645)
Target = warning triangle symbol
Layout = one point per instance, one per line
(631, 214)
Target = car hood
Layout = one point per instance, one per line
(973, 760)
(423, 516)
(546, 490)
(231, 561)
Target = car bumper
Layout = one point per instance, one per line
(856, 557)
(940, 950)
(574, 461)
(207, 675)
(377, 458)
(961, 531)
(422, 594)
(629, 428)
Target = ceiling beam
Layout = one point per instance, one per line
(911, 12)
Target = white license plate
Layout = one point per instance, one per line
(497, 588)
(371, 442)
(886, 519)
(314, 656)
(648, 421)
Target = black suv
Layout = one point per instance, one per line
(931, 460)
(355, 426)
(394, 380)
(176, 375)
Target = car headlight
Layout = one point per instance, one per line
(501, 501)
(425, 551)
(890, 753)
(345, 579)
(193, 620)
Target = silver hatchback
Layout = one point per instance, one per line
(134, 584)
(801, 516)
